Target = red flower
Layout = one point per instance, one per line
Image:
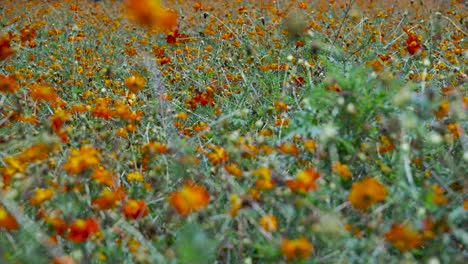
(7, 220)
(413, 43)
(5, 46)
(82, 229)
(135, 209)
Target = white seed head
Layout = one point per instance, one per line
(351, 108)
(341, 100)
(433, 260)
(259, 123)
(435, 138)
(405, 147)
(426, 62)
(328, 132)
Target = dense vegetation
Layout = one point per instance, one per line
(233, 131)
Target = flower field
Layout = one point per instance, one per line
(146, 131)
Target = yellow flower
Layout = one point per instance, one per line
(81, 159)
(236, 202)
(135, 176)
(41, 196)
(269, 222)
(135, 83)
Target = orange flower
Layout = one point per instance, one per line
(269, 222)
(443, 109)
(366, 193)
(41, 196)
(341, 169)
(265, 184)
(103, 176)
(288, 148)
(135, 83)
(438, 195)
(403, 237)
(305, 181)
(310, 145)
(109, 198)
(13, 166)
(135, 209)
(217, 156)
(265, 181)
(280, 106)
(59, 117)
(152, 14)
(5, 47)
(7, 220)
(296, 248)
(8, 84)
(102, 109)
(81, 159)
(455, 129)
(42, 93)
(27, 34)
(82, 229)
(233, 170)
(63, 260)
(192, 197)
(58, 224)
(155, 146)
(386, 145)
(36, 152)
(78, 108)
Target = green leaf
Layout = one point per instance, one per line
(194, 246)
